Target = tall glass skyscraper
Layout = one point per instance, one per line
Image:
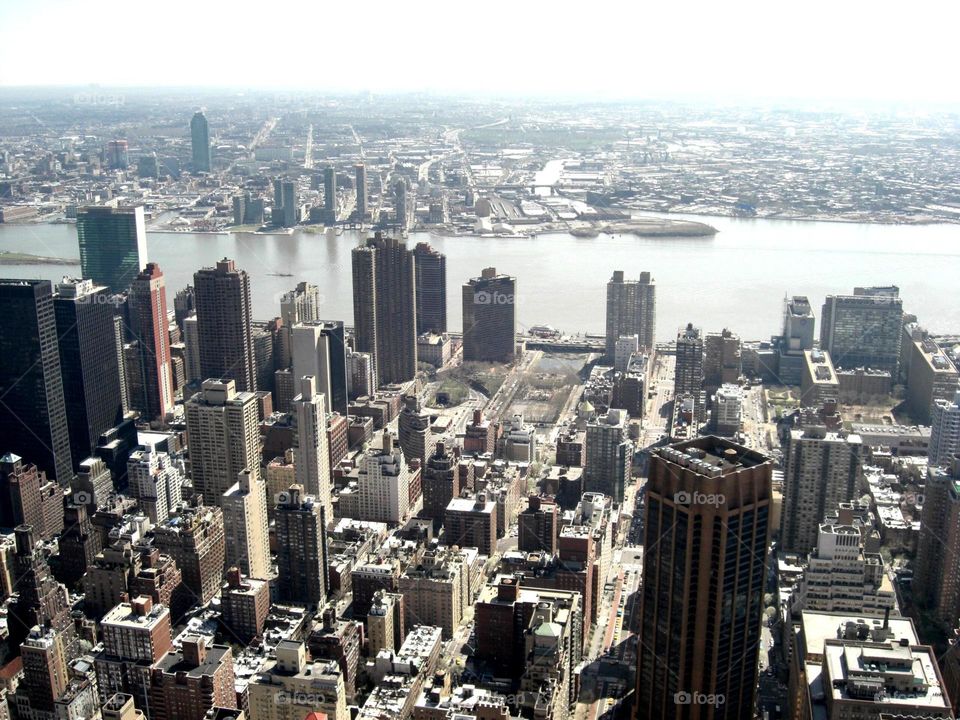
(200, 142)
(89, 363)
(33, 418)
(113, 245)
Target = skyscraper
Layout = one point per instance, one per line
(223, 437)
(156, 482)
(864, 329)
(440, 483)
(330, 195)
(191, 345)
(33, 418)
(490, 317)
(609, 455)
(113, 245)
(413, 430)
(223, 324)
(286, 203)
(147, 310)
(302, 304)
(246, 527)
(311, 454)
(431, 274)
(195, 540)
(384, 307)
(798, 327)
(88, 363)
(383, 485)
(319, 349)
(361, 180)
(688, 377)
(302, 541)
(704, 566)
(45, 674)
(631, 310)
(938, 549)
(944, 431)
(931, 377)
(402, 198)
(200, 142)
(118, 156)
(822, 469)
(721, 362)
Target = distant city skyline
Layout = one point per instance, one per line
(745, 50)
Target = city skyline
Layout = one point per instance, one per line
(430, 406)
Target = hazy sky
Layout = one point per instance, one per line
(594, 48)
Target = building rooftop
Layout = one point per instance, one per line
(712, 455)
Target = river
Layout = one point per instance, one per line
(735, 279)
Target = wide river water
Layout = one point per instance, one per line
(735, 279)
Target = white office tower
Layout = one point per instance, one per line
(841, 577)
(155, 481)
(309, 347)
(384, 483)
(728, 409)
(246, 527)
(625, 347)
(944, 431)
(311, 457)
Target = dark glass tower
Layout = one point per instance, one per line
(113, 245)
(337, 347)
(706, 529)
(431, 273)
(33, 418)
(88, 364)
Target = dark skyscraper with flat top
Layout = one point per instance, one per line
(113, 245)
(431, 273)
(200, 142)
(33, 418)
(490, 317)
(706, 529)
(223, 325)
(384, 307)
(88, 363)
